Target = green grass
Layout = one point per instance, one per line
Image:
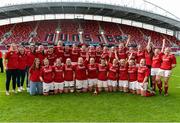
(85, 107)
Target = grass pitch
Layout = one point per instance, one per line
(106, 107)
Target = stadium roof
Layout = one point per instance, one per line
(92, 8)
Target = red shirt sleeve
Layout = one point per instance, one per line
(173, 59)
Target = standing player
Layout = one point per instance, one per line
(168, 63)
(98, 54)
(46, 77)
(1, 62)
(140, 54)
(11, 63)
(112, 54)
(58, 77)
(92, 52)
(59, 49)
(102, 76)
(105, 53)
(132, 76)
(68, 76)
(123, 76)
(34, 77)
(83, 52)
(51, 55)
(142, 78)
(40, 53)
(22, 63)
(92, 74)
(81, 76)
(113, 75)
(67, 53)
(74, 54)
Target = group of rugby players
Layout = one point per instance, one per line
(64, 69)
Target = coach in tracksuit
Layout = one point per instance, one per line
(11, 63)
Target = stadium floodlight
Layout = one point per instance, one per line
(80, 31)
(101, 32)
(58, 30)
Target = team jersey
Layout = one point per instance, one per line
(122, 53)
(140, 55)
(123, 73)
(12, 57)
(92, 54)
(148, 58)
(80, 72)
(67, 54)
(30, 56)
(92, 71)
(22, 61)
(60, 52)
(51, 57)
(75, 55)
(134, 55)
(98, 56)
(83, 54)
(58, 73)
(156, 61)
(102, 72)
(132, 73)
(47, 74)
(111, 57)
(167, 62)
(113, 72)
(34, 75)
(68, 73)
(105, 55)
(41, 56)
(142, 73)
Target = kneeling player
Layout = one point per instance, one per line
(58, 77)
(46, 76)
(143, 74)
(113, 76)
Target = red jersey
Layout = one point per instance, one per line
(22, 61)
(67, 54)
(12, 57)
(105, 55)
(92, 54)
(41, 56)
(98, 56)
(156, 61)
(148, 58)
(134, 55)
(58, 73)
(30, 56)
(122, 53)
(113, 72)
(167, 62)
(80, 72)
(142, 73)
(34, 75)
(140, 55)
(92, 71)
(47, 74)
(68, 73)
(51, 57)
(75, 55)
(0, 54)
(132, 73)
(60, 52)
(123, 73)
(111, 57)
(83, 54)
(102, 72)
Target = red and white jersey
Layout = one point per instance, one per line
(58, 73)
(122, 53)
(80, 72)
(140, 55)
(47, 74)
(68, 73)
(156, 61)
(113, 72)
(123, 72)
(92, 71)
(142, 73)
(168, 61)
(132, 73)
(74, 55)
(102, 72)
